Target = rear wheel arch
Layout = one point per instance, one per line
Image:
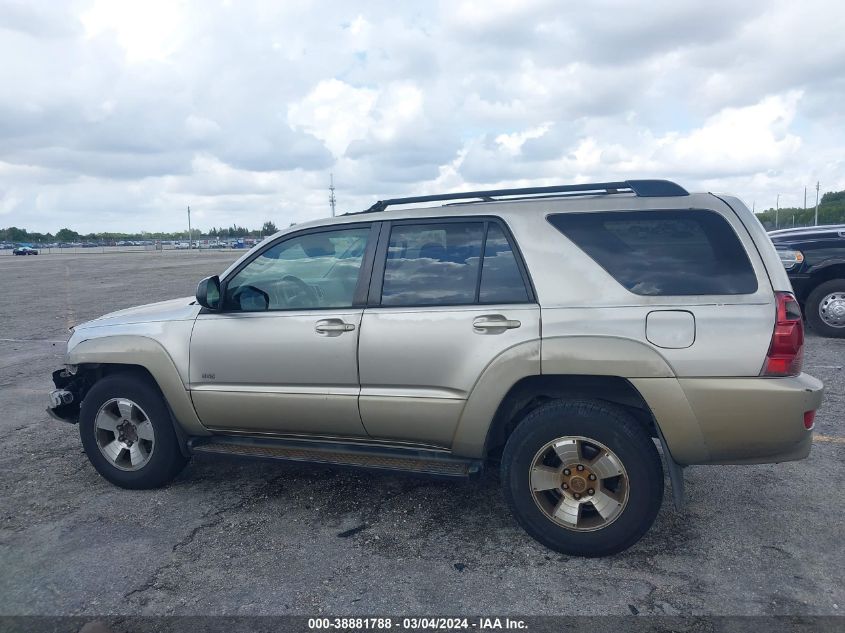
(532, 392)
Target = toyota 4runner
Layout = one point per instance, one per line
(563, 334)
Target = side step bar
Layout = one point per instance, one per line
(411, 460)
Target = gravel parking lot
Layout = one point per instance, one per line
(245, 537)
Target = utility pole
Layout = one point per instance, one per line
(332, 199)
(777, 210)
(190, 238)
(816, 222)
(805, 196)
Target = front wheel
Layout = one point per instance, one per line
(825, 308)
(582, 477)
(127, 432)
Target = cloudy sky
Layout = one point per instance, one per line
(116, 115)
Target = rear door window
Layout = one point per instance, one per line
(689, 252)
(434, 263)
(501, 278)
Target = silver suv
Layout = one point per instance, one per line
(563, 334)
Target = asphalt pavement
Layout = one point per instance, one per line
(247, 537)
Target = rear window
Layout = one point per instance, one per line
(690, 252)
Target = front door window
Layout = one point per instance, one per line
(310, 271)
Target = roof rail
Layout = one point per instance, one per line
(641, 188)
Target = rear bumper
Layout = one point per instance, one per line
(754, 420)
(734, 420)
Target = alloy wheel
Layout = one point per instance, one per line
(579, 483)
(124, 433)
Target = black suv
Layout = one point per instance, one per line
(814, 258)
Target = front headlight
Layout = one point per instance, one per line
(789, 258)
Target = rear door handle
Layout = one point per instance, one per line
(332, 327)
(494, 323)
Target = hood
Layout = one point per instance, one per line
(808, 234)
(172, 310)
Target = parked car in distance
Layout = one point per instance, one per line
(814, 259)
(25, 250)
(409, 339)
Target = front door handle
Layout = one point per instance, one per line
(494, 323)
(332, 327)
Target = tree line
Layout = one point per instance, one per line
(15, 234)
(831, 211)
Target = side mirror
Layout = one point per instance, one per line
(208, 293)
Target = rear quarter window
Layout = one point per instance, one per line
(684, 252)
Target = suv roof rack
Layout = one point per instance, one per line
(641, 188)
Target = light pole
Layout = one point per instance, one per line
(816, 221)
(777, 210)
(190, 239)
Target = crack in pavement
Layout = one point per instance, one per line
(152, 582)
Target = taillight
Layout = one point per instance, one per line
(786, 351)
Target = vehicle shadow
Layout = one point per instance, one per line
(405, 515)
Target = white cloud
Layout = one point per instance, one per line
(360, 32)
(512, 143)
(737, 140)
(146, 29)
(397, 108)
(116, 114)
(200, 127)
(334, 112)
(339, 114)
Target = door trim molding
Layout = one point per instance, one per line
(299, 390)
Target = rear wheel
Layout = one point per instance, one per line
(582, 477)
(127, 432)
(825, 308)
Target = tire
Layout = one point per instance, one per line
(835, 287)
(635, 496)
(159, 459)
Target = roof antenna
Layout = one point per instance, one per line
(332, 199)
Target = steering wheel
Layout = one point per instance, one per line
(296, 292)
